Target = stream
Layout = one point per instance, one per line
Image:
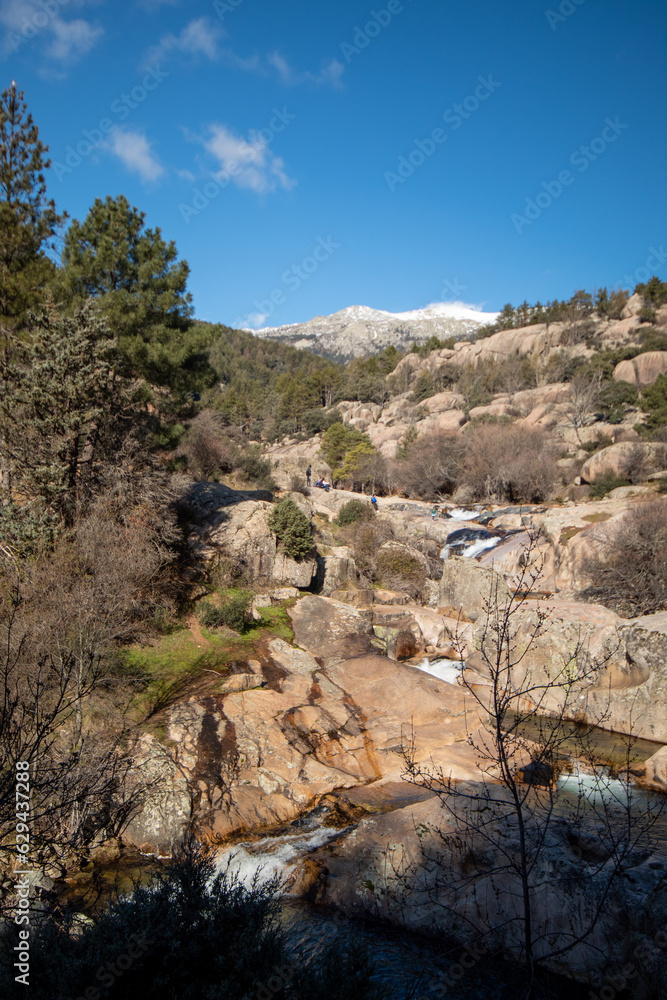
(407, 964)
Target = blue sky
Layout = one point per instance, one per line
(307, 156)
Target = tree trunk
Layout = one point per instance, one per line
(6, 473)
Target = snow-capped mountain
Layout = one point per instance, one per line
(359, 331)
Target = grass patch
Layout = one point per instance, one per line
(171, 664)
(568, 533)
(594, 518)
(175, 661)
(276, 621)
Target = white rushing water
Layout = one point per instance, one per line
(444, 670)
(596, 788)
(474, 548)
(260, 861)
(460, 514)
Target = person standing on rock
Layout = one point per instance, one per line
(374, 502)
(308, 473)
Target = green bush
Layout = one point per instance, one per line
(338, 440)
(424, 387)
(256, 469)
(317, 420)
(292, 528)
(647, 314)
(234, 613)
(606, 483)
(601, 441)
(354, 510)
(654, 402)
(614, 398)
(653, 339)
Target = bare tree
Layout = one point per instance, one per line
(514, 841)
(77, 793)
(629, 572)
(580, 407)
(432, 466)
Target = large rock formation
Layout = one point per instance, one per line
(331, 714)
(616, 459)
(468, 586)
(642, 370)
(233, 524)
(478, 900)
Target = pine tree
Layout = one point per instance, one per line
(141, 287)
(28, 220)
(55, 391)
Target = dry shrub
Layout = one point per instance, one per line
(630, 572)
(207, 447)
(432, 467)
(638, 464)
(365, 539)
(398, 570)
(509, 463)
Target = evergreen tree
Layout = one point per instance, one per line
(506, 317)
(141, 288)
(55, 392)
(292, 528)
(28, 220)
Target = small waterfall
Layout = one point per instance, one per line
(460, 514)
(469, 542)
(259, 861)
(445, 670)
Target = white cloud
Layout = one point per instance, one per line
(198, 38)
(202, 38)
(249, 163)
(27, 22)
(330, 74)
(186, 175)
(256, 320)
(134, 149)
(73, 39)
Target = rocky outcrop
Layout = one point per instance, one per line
(332, 630)
(297, 725)
(617, 457)
(655, 771)
(163, 802)
(339, 569)
(385, 426)
(238, 530)
(468, 891)
(642, 370)
(633, 691)
(553, 641)
(468, 586)
(203, 502)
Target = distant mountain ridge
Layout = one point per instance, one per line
(359, 330)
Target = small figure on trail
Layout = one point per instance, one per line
(434, 512)
(326, 486)
(374, 502)
(308, 473)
